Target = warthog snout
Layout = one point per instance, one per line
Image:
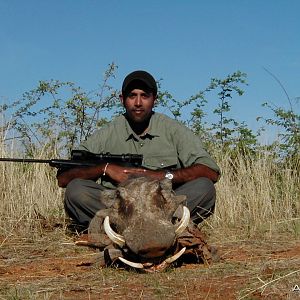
(150, 239)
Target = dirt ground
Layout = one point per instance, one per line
(52, 267)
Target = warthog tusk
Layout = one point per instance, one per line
(184, 222)
(175, 256)
(149, 267)
(115, 237)
(131, 264)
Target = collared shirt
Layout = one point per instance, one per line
(167, 143)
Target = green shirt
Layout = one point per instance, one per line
(166, 144)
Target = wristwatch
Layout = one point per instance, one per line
(169, 175)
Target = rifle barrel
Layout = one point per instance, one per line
(25, 160)
(83, 159)
(134, 160)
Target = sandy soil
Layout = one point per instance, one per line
(51, 267)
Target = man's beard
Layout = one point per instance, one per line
(138, 124)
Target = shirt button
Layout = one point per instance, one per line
(161, 164)
(141, 144)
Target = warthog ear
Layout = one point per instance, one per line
(168, 193)
(109, 197)
(166, 185)
(172, 200)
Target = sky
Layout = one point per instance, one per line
(184, 43)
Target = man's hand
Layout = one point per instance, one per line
(120, 174)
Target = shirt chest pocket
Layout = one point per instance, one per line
(166, 160)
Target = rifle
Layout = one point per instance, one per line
(82, 158)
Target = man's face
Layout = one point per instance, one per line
(138, 105)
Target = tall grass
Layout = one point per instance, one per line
(257, 196)
(29, 198)
(254, 197)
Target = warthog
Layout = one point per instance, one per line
(139, 224)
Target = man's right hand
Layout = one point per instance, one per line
(115, 172)
(120, 174)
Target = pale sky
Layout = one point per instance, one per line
(185, 43)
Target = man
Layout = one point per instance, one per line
(170, 150)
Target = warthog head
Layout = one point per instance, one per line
(140, 218)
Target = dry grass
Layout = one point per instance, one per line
(29, 198)
(51, 268)
(255, 227)
(253, 198)
(257, 198)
